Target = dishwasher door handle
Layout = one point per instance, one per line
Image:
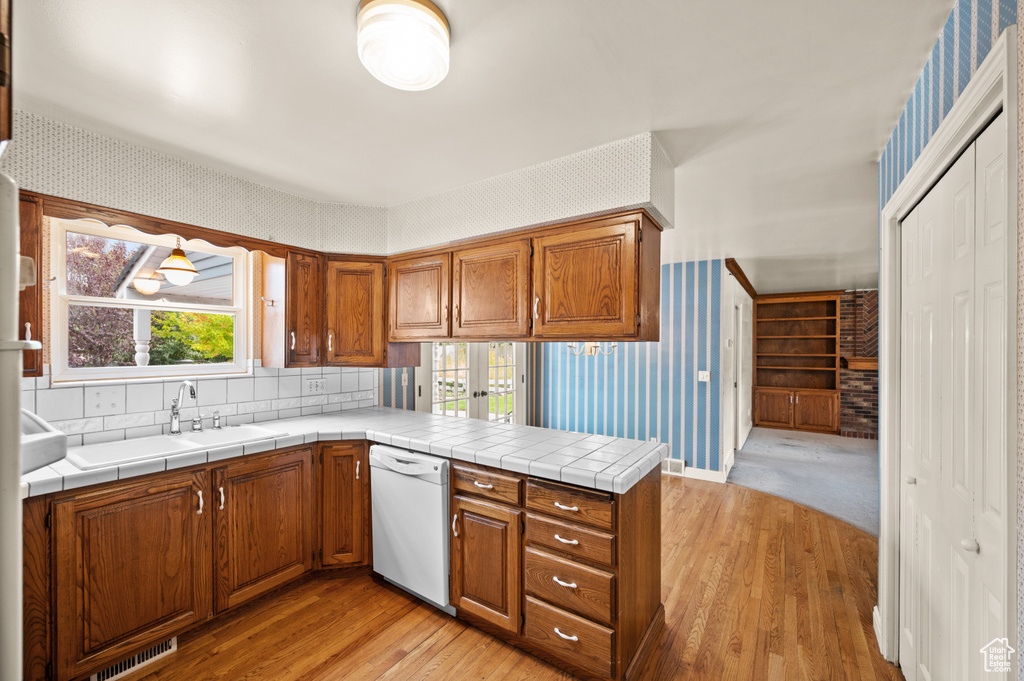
(404, 467)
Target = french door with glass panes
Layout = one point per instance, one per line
(473, 380)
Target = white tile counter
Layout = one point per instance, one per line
(594, 461)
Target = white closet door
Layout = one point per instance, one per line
(954, 404)
(993, 390)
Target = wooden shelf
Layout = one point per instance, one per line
(763, 337)
(761, 367)
(792, 319)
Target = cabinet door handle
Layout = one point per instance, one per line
(221, 498)
(574, 542)
(571, 585)
(28, 331)
(457, 320)
(358, 461)
(482, 486)
(567, 638)
(791, 399)
(536, 303)
(574, 509)
(454, 518)
(330, 342)
(200, 493)
(798, 399)
(293, 340)
(444, 318)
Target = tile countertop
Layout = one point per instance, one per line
(594, 461)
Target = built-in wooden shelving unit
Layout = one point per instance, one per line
(796, 361)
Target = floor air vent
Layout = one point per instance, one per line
(673, 466)
(119, 669)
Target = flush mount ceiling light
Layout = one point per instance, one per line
(176, 268)
(403, 43)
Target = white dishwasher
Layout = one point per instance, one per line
(409, 493)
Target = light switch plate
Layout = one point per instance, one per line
(703, 376)
(405, 379)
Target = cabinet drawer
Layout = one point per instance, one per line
(504, 488)
(570, 585)
(571, 503)
(572, 539)
(574, 639)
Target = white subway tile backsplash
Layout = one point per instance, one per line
(212, 391)
(333, 382)
(28, 400)
(287, 403)
(144, 397)
(366, 379)
(289, 413)
(349, 381)
(289, 386)
(241, 390)
(265, 388)
(104, 400)
(129, 420)
(60, 404)
(102, 436)
(28, 383)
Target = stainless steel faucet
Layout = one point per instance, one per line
(176, 406)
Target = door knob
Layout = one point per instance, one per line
(970, 545)
(910, 480)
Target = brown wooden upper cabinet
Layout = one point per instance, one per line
(491, 291)
(420, 297)
(595, 281)
(30, 301)
(303, 309)
(355, 313)
(131, 568)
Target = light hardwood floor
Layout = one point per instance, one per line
(755, 587)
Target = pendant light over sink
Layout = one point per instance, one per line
(403, 43)
(177, 269)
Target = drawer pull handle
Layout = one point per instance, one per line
(200, 493)
(574, 542)
(571, 585)
(482, 486)
(574, 509)
(567, 638)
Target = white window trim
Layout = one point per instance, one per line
(60, 302)
(424, 379)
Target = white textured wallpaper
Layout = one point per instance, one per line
(61, 160)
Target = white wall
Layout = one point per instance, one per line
(737, 367)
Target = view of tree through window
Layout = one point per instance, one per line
(102, 333)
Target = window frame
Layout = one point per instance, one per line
(61, 302)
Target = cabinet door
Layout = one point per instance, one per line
(345, 497)
(585, 282)
(30, 301)
(486, 563)
(773, 407)
(303, 310)
(131, 566)
(816, 410)
(262, 525)
(420, 296)
(355, 313)
(491, 291)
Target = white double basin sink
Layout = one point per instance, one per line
(143, 448)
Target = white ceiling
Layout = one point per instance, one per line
(774, 112)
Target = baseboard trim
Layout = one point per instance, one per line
(680, 469)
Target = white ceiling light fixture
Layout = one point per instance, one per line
(403, 43)
(146, 287)
(177, 269)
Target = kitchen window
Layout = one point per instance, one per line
(115, 317)
(473, 380)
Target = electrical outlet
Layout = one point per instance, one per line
(703, 376)
(316, 386)
(405, 380)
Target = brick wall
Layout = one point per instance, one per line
(858, 337)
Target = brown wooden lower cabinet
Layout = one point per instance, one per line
(131, 568)
(126, 565)
(345, 499)
(262, 531)
(591, 575)
(486, 562)
(814, 410)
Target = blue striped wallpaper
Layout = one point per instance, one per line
(964, 42)
(647, 390)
